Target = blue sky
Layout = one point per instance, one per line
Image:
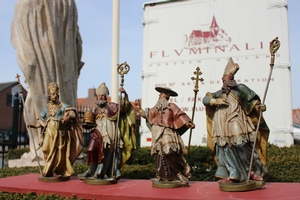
(95, 28)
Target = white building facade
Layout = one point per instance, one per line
(180, 36)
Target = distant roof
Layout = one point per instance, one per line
(3, 86)
(197, 33)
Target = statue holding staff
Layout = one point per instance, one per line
(112, 135)
(232, 114)
(237, 132)
(196, 89)
(61, 140)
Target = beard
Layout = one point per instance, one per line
(54, 101)
(161, 104)
(227, 85)
(101, 103)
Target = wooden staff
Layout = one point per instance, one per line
(196, 89)
(122, 70)
(274, 46)
(25, 113)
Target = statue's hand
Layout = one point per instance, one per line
(33, 126)
(137, 104)
(190, 125)
(65, 118)
(41, 141)
(122, 90)
(137, 107)
(106, 139)
(261, 108)
(218, 102)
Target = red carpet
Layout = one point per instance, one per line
(143, 190)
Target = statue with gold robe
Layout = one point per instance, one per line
(61, 140)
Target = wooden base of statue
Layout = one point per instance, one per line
(97, 181)
(241, 186)
(167, 184)
(53, 179)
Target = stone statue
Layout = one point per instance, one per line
(112, 138)
(167, 123)
(232, 114)
(48, 44)
(61, 140)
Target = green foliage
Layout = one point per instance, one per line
(138, 171)
(16, 171)
(200, 160)
(141, 156)
(33, 195)
(283, 164)
(202, 164)
(79, 169)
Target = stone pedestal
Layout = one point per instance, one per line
(26, 160)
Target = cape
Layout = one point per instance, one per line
(247, 99)
(172, 117)
(127, 121)
(74, 127)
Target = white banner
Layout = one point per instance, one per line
(180, 36)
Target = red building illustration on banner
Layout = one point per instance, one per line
(214, 36)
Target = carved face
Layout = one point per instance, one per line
(164, 95)
(226, 77)
(101, 100)
(101, 97)
(53, 97)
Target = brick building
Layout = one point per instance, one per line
(296, 116)
(11, 119)
(296, 125)
(89, 101)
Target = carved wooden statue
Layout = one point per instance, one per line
(46, 37)
(61, 139)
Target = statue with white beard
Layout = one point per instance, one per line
(167, 123)
(112, 140)
(232, 114)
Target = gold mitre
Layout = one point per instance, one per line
(102, 89)
(53, 87)
(89, 117)
(231, 68)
